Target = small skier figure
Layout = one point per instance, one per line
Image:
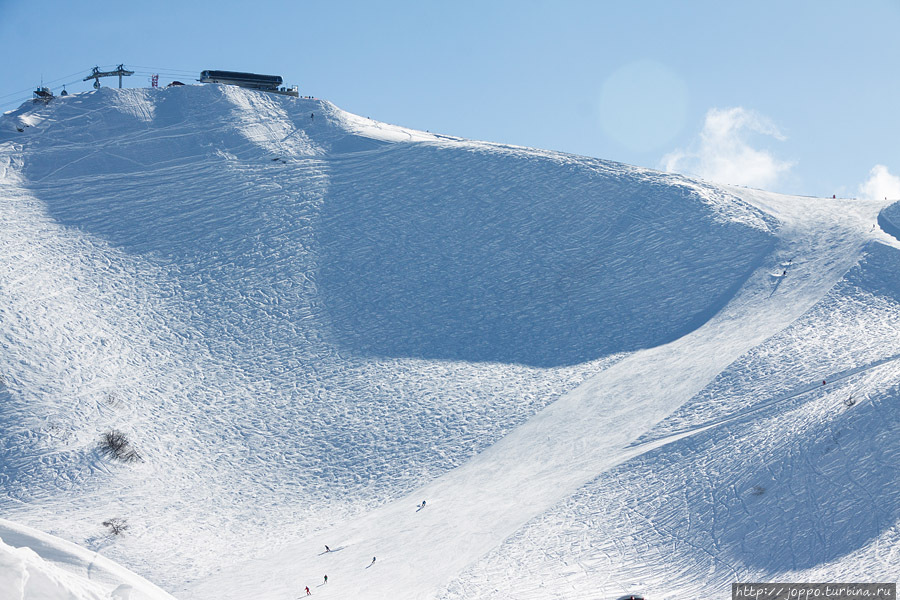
(308, 593)
(421, 506)
(823, 382)
(373, 561)
(312, 116)
(327, 549)
(850, 401)
(326, 579)
(783, 273)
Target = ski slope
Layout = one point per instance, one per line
(603, 379)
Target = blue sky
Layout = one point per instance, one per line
(796, 97)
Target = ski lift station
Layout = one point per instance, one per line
(265, 83)
(42, 94)
(253, 81)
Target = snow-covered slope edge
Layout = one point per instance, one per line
(37, 566)
(889, 219)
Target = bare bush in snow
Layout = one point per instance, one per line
(116, 525)
(116, 445)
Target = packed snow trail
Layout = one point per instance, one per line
(475, 507)
(829, 381)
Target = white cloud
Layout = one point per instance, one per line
(880, 184)
(722, 153)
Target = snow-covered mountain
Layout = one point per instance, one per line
(302, 323)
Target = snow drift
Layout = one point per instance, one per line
(36, 566)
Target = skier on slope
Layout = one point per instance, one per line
(308, 593)
(327, 549)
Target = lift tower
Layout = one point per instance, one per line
(96, 74)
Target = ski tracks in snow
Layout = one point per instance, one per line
(591, 430)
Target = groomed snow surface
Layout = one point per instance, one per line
(300, 323)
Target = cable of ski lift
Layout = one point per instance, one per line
(29, 90)
(164, 69)
(44, 84)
